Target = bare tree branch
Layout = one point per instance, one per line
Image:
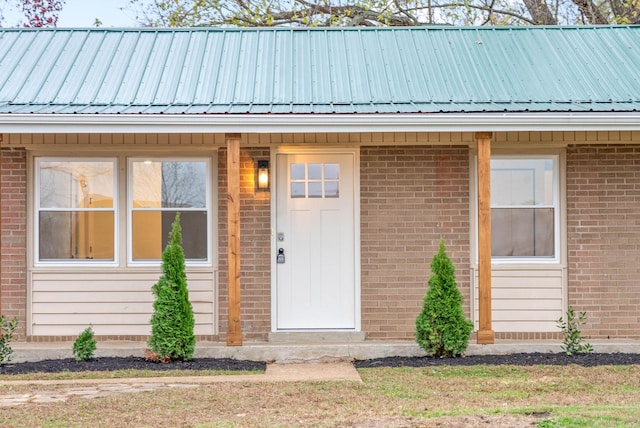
(490, 14)
(405, 12)
(591, 12)
(540, 13)
(385, 12)
(486, 9)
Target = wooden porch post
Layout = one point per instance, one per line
(234, 332)
(485, 332)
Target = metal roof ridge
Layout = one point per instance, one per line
(322, 29)
(292, 105)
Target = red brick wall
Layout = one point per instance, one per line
(603, 214)
(410, 198)
(255, 238)
(13, 234)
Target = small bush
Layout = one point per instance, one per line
(441, 328)
(84, 346)
(572, 336)
(172, 324)
(8, 327)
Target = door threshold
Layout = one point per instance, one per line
(313, 336)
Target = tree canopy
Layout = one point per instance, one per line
(324, 13)
(35, 13)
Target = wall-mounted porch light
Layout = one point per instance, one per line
(262, 175)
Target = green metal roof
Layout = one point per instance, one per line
(320, 71)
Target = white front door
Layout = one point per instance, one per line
(315, 242)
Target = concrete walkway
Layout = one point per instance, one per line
(94, 388)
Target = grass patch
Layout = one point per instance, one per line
(122, 374)
(528, 392)
(596, 416)
(496, 396)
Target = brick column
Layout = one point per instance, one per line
(13, 237)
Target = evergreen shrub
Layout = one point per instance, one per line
(172, 323)
(8, 327)
(84, 346)
(441, 328)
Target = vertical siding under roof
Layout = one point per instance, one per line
(344, 70)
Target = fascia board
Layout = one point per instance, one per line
(287, 123)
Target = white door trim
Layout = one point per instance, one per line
(355, 151)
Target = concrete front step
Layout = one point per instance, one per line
(304, 337)
(305, 352)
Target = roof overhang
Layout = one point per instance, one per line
(334, 123)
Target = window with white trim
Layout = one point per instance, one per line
(75, 207)
(524, 207)
(158, 190)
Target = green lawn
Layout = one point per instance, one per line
(496, 396)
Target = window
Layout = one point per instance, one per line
(159, 189)
(524, 207)
(75, 210)
(315, 180)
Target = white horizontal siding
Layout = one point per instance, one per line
(523, 326)
(113, 303)
(106, 308)
(523, 300)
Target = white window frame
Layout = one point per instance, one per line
(557, 206)
(130, 209)
(37, 209)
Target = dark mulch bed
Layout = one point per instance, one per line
(119, 363)
(528, 359)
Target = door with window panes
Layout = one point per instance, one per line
(315, 242)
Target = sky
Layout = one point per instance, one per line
(83, 13)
